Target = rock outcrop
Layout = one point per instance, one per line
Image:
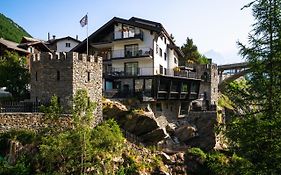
(194, 130)
(138, 122)
(185, 132)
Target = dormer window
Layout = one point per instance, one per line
(67, 44)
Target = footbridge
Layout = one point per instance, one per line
(230, 72)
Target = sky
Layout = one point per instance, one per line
(214, 25)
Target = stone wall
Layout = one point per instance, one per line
(205, 122)
(210, 80)
(62, 74)
(45, 68)
(87, 74)
(31, 121)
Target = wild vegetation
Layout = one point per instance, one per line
(81, 149)
(253, 134)
(9, 30)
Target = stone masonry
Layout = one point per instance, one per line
(209, 84)
(31, 121)
(62, 74)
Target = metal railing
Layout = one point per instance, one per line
(128, 71)
(141, 71)
(187, 74)
(127, 53)
(128, 35)
(11, 106)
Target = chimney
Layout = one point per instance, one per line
(76, 37)
(48, 36)
(54, 36)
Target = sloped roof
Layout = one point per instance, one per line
(12, 45)
(134, 21)
(51, 41)
(26, 39)
(39, 44)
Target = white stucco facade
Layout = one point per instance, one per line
(152, 43)
(65, 45)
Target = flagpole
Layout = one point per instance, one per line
(87, 34)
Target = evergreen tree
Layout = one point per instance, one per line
(191, 54)
(255, 134)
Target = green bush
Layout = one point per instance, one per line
(22, 136)
(195, 160)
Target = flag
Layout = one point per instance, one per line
(84, 21)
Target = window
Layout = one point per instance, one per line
(128, 31)
(165, 56)
(161, 69)
(88, 58)
(89, 76)
(131, 68)
(165, 71)
(184, 108)
(184, 87)
(59, 101)
(175, 60)
(157, 48)
(58, 75)
(88, 101)
(139, 85)
(30, 49)
(36, 76)
(67, 44)
(131, 50)
(165, 41)
(160, 52)
(158, 107)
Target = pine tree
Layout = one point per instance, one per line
(256, 134)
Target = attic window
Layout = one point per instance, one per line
(67, 44)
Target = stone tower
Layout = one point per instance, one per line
(62, 74)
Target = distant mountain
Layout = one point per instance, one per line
(10, 30)
(215, 56)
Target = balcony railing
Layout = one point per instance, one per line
(128, 35)
(120, 72)
(126, 53)
(187, 74)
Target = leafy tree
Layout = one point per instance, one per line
(191, 53)
(14, 75)
(254, 134)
